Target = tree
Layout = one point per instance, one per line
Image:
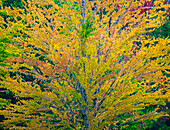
(82, 67)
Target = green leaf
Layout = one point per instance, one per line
(7, 92)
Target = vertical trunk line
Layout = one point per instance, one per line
(83, 24)
(82, 90)
(83, 11)
(99, 45)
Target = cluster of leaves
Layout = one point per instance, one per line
(12, 3)
(163, 31)
(73, 75)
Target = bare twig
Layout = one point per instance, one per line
(83, 11)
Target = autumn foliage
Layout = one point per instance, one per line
(83, 64)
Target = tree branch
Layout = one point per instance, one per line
(83, 11)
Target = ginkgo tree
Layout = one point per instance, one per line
(80, 66)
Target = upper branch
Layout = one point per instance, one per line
(83, 11)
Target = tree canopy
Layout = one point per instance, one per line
(87, 64)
